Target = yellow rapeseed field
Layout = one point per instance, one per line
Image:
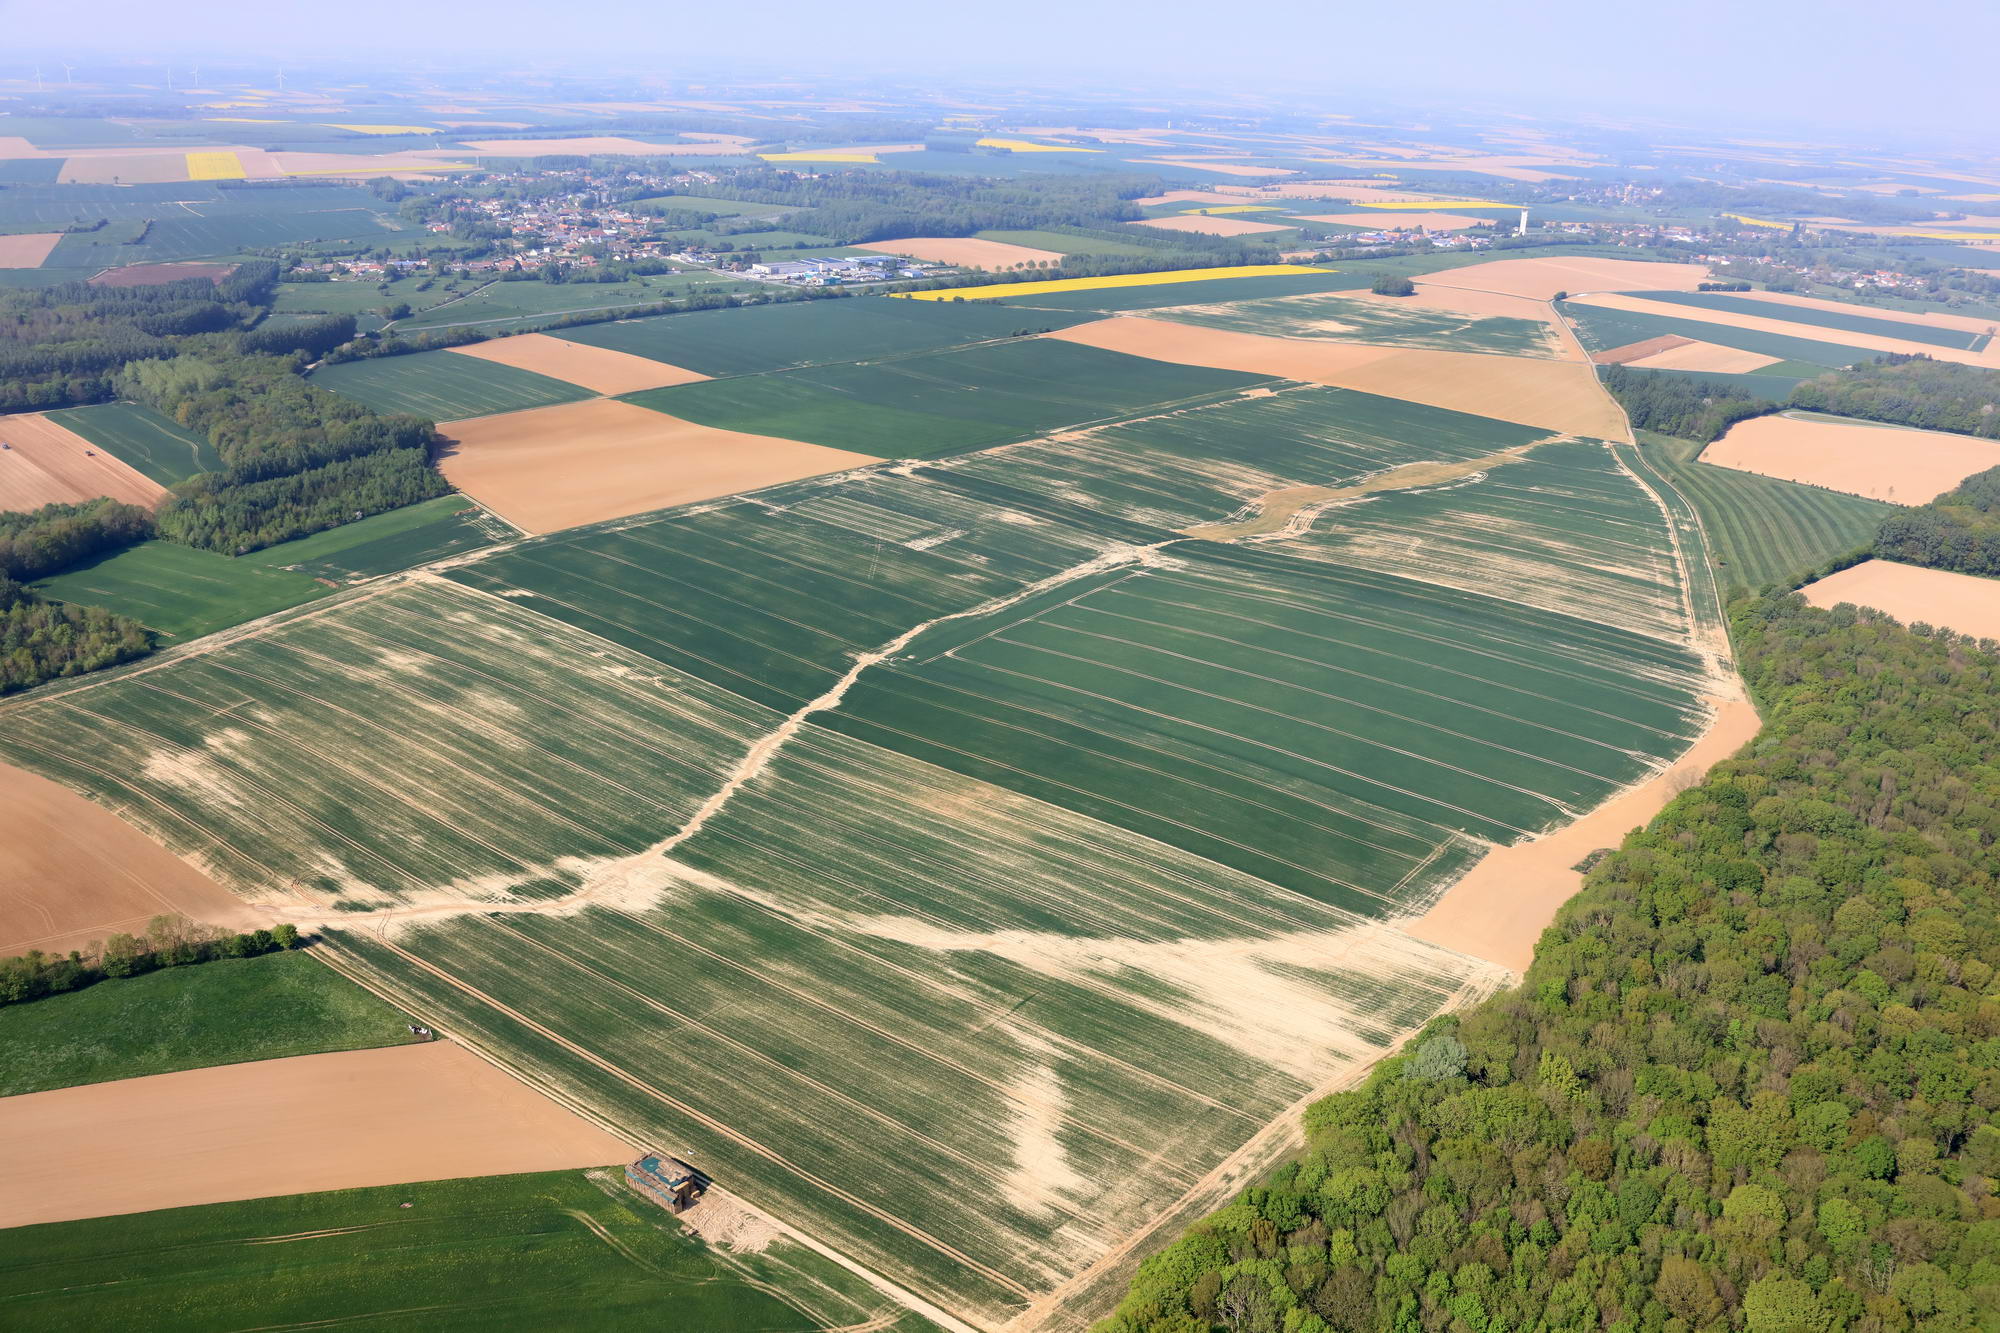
(214, 167)
(1024, 146)
(819, 157)
(1053, 285)
(1758, 222)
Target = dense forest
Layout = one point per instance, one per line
(1959, 530)
(42, 641)
(61, 345)
(1910, 390)
(1748, 1082)
(1682, 405)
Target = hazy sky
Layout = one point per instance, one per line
(1919, 64)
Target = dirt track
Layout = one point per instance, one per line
(250, 1131)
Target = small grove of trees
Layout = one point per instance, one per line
(1393, 284)
(1682, 405)
(37, 542)
(42, 640)
(1910, 390)
(169, 941)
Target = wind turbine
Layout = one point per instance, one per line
(67, 71)
(38, 77)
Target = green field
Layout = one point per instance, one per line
(181, 592)
(143, 438)
(444, 386)
(217, 1013)
(696, 203)
(1601, 330)
(554, 1250)
(1762, 530)
(236, 221)
(1353, 319)
(1857, 322)
(803, 333)
(387, 543)
(1068, 243)
(943, 402)
(532, 304)
(1149, 297)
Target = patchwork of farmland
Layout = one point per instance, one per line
(961, 860)
(1601, 329)
(801, 333)
(142, 439)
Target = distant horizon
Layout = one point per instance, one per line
(1779, 66)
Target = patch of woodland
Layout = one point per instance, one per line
(169, 941)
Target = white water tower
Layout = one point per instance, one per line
(1524, 222)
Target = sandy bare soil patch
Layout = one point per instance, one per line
(1543, 278)
(1776, 323)
(344, 1120)
(72, 872)
(1502, 905)
(1963, 602)
(154, 275)
(1397, 219)
(1208, 225)
(1936, 319)
(1555, 395)
(598, 369)
(556, 467)
(43, 463)
(965, 251)
(1645, 347)
(13, 146)
(1291, 509)
(603, 144)
(125, 169)
(1711, 358)
(27, 250)
(1890, 463)
(1224, 168)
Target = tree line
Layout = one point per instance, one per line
(1959, 530)
(1687, 406)
(169, 941)
(1910, 390)
(1748, 1082)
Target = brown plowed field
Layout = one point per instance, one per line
(1190, 197)
(43, 463)
(557, 467)
(1618, 356)
(1909, 467)
(72, 872)
(1963, 602)
(1224, 168)
(1555, 395)
(1543, 278)
(1777, 323)
(1936, 319)
(27, 250)
(155, 275)
(965, 251)
(598, 369)
(1207, 225)
(344, 1120)
(125, 169)
(1710, 358)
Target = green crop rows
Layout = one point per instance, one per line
(1857, 322)
(143, 438)
(444, 386)
(387, 543)
(1601, 330)
(528, 1251)
(180, 591)
(944, 402)
(801, 333)
(1764, 530)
